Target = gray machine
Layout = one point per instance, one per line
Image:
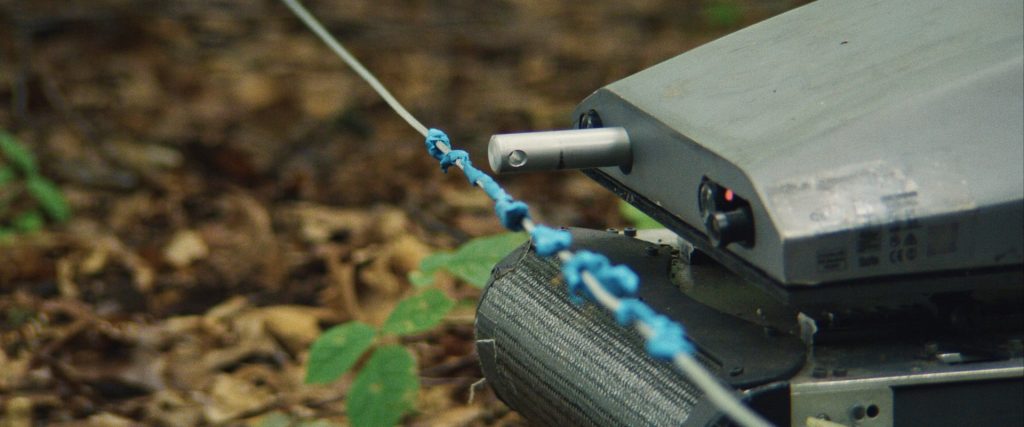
(846, 182)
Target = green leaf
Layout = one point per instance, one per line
(385, 388)
(473, 260)
(6, 235)
(418, 313)
(28, 222)
(49, 197)
(17, 154)
(636, 217)
(336, 350)
(7, 175)
(429, 266)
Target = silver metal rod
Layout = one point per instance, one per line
(561, 149)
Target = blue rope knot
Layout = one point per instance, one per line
(448, 160)
(630, 310)
(493, 190)
(667, 337)
(619, 280)
(511, 213)
(548, 241)
(435, 136)
(474, 175)
(573, 269)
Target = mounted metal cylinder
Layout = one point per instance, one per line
(562, 149)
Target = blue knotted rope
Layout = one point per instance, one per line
(573, 270)
(450, 158)
(548, 241)
(666, 338)
(435, 136)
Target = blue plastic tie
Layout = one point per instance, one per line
(619, 279)
(573, 269)
(433, 137)
(474, 175)
(448, 160)
(631, 310)
(667, 337)
(547, 241)
(493, 190)
(512, 213)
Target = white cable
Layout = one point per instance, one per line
(719, 395)
(320, 31)
(724, 399)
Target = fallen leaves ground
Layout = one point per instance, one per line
(236, 190)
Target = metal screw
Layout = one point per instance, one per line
(652, 250)
(590, 120)
(517, 158)
(858, 412)
(630, 231)
(612, 230)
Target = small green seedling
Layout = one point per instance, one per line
(386, 386)
(472, 262)
(20, 175)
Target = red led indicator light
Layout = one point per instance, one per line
(728, 195)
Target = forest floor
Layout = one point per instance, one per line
(235, 190)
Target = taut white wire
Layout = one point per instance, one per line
(320, 31)
(719, 395)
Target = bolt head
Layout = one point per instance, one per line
(590, 120)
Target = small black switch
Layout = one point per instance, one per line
(731, 227)
(727, 216)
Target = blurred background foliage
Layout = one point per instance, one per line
(224, 190)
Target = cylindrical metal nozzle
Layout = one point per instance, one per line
(560, 149)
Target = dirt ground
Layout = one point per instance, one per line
(236, 190)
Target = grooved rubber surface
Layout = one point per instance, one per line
(556, 363)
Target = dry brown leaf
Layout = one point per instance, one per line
(228, 309)
(13, 369)
(324, 95)
(295, 326)
(18, 412)
(231, 397)
(256, 91)
(340, 293)
(106, 419)
(453, 417)
(317, 224)
(185, 247)
(66, 279)
(172, 408)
